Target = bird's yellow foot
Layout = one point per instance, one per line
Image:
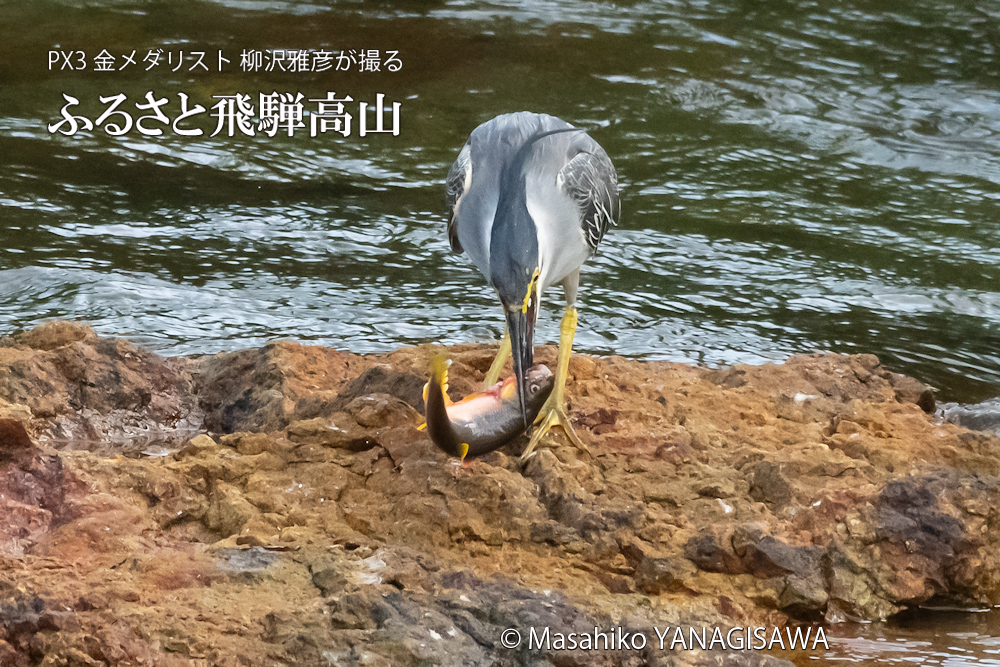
(553, 413)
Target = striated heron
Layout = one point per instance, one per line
(530, 197)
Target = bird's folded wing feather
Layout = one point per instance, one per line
(455, 188)
(590, 180)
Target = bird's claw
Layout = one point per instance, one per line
(547, 418)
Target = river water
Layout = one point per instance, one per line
(922, 638)
(797, 177)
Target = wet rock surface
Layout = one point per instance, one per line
(98, 393)
(983, 416)
(312, 523)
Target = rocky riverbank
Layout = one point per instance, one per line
(279, 506)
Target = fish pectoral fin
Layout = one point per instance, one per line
(422, 427)
(465, 452)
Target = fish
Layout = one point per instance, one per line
(485, 420)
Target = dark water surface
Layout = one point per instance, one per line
(920, 638)
(797, 177)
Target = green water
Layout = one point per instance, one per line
(796, 178)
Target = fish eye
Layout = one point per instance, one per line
(534, 388)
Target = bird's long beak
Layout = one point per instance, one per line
(521, 325)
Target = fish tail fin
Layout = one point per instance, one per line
(439, 368)
(439, 375)
(436, 402)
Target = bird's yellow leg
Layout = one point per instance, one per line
(493, 375)
(553, 413)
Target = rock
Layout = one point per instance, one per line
(708, 553)
(405, 387)
(769, 485)
(599, 421)
(984, 416)
(53, 335)
(228, 511)
(14, 440)
(378, 410)
(804, 596)
(91, 389)
(799, 568)
(355, 611)
(917, 540)
(16, 412)
(854, 590)
(257, 390)
(329, 580)
(203, 441)
(249, 444)
(731, 378)
(33, 489)
(909, 390)
(665, 574)
(719, 488)
(247, 563)
(198, 445)
(765, 556)
(677, 453)
(316, 524)
(322, 431)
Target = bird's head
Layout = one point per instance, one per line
(514, 264)
(515, 272)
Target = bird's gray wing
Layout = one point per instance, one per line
(590, 180)
(454, 189)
